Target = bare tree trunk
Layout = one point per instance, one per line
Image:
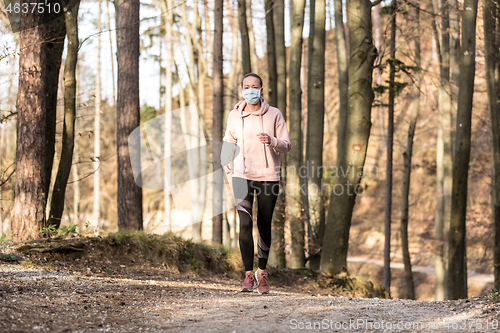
(28, 211)
(445, 111)
(457, 264)
(112, 54)
(76, 158)
(218, 104)
(454, 16)
(439, 262)
(208, 31)
(56, 31)
(294, 159)
(445, 106)
(336, 240)
(231, 94)
(271, 55)
(277, 252)
(491, 15)
(251, 38)
(245, 41)
(128, 113)
(68, 140)
(340, 40)
(379, 39)
(280, 54)
(203, 150)
(76, 189)
(315, 129)
(407, 156)
(2, 154)
(390, 137)
(198, 186)
(168, 113)
(97, 129)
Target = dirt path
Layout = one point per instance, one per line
(39, 300)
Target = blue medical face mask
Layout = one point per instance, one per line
(251, 95)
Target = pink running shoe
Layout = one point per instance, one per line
(262, 285)
(249, 283)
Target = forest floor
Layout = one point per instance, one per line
(66, 290)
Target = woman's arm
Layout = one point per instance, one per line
(281, 143)
(228, 150)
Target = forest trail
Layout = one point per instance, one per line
(34, 299)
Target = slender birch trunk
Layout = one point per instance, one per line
(97, 130)
(112, 54)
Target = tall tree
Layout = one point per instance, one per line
(454, 15)
(251, 37)
(128, 113)
(97, 127)
(294, 160)
(245, 41)
(29, 207)
(271, 55)
(443, 151)
(2, 154)
(68, 139)
(74, 168)
(277, 253)
(315, 129)
(340, 40)
(169, 7)
(390, 143)
(56, 33)
(491, 16)
(407, 157)
(4, 151)
(378, 32)
(218, 105)
(457, 265)
(112, 54)
(193, 135)
(231, 85)
(362, 55)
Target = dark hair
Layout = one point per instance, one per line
(251, 74)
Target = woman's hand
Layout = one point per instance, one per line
(264, 138)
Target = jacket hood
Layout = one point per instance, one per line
(240, 107)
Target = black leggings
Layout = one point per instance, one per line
(267, 193)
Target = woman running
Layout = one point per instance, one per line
(256, 136)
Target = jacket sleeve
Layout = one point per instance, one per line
(228, 150)
(281, 143)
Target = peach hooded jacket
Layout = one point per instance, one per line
(243, 154)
